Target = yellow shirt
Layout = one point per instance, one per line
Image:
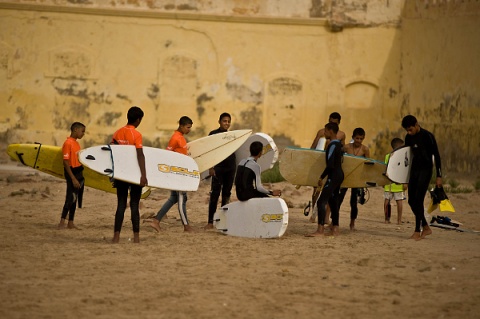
(392, 188)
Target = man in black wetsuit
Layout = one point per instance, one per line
(331, 191)
(424, 147)
(222, 174)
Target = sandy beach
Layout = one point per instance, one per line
(374, 272)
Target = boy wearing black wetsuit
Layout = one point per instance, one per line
(424, 147)
(331, 191)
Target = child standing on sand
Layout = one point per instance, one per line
(73, 174)
(394, 191)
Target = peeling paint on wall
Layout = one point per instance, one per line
(243, 93)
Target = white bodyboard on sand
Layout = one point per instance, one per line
(165, 169)
(269, 154)
(399, 165)
(255, 218)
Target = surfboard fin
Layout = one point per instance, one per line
(108, 170)
(90, 157)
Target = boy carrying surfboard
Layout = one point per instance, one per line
(394, 191)
(424, 148)
(222, 174)
(331, 191)
(73, 174)
(356, 149)
(128, 135)
(178, 144)
(320, 142)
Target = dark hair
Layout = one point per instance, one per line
(185, 120)
(358, 132)
(256, 148)
(332, 126)
(396, 142)
(224, 114)
(76, 125)
(336, 116)
(133, 114)
(409, 121)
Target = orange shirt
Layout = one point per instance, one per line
(127, 135)
(70, 151)
(178, 143)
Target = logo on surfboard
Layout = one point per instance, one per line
(164, 168)
(267, 218)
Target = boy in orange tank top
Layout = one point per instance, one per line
(73, 174)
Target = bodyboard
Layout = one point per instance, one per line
(255, 218)
(269, 153)
(399, 165)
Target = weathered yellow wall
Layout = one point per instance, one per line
(441, 77)
(275, 68)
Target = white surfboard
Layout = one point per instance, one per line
(165, 169)
(255, 218)
(321, 144)
(303, 166)
(211, 150)
(399, 165)
(269, 153)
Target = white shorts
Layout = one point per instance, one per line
(394, 196)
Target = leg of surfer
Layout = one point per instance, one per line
(135, 195)
(122, 196)
(172, 200)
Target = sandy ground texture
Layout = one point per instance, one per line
(374, 272)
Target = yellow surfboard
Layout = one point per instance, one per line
(303, 166)
(49, 159)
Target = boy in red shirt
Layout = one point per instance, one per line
(128, 135)
(73, 174)
(177, 143)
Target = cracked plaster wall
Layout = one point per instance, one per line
(280, 78)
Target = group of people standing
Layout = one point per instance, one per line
(246, 176)
(425, 157)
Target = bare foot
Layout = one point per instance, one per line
(188, 228)
(387, 221)
(416, 236)
(319, 233)
(61, 225)
(352, 225)
(312, 219)
(72, 226)
(136, 238)
(208, 226)
(335, 231)
(155, 224)
(116, 237)
(426, 231)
